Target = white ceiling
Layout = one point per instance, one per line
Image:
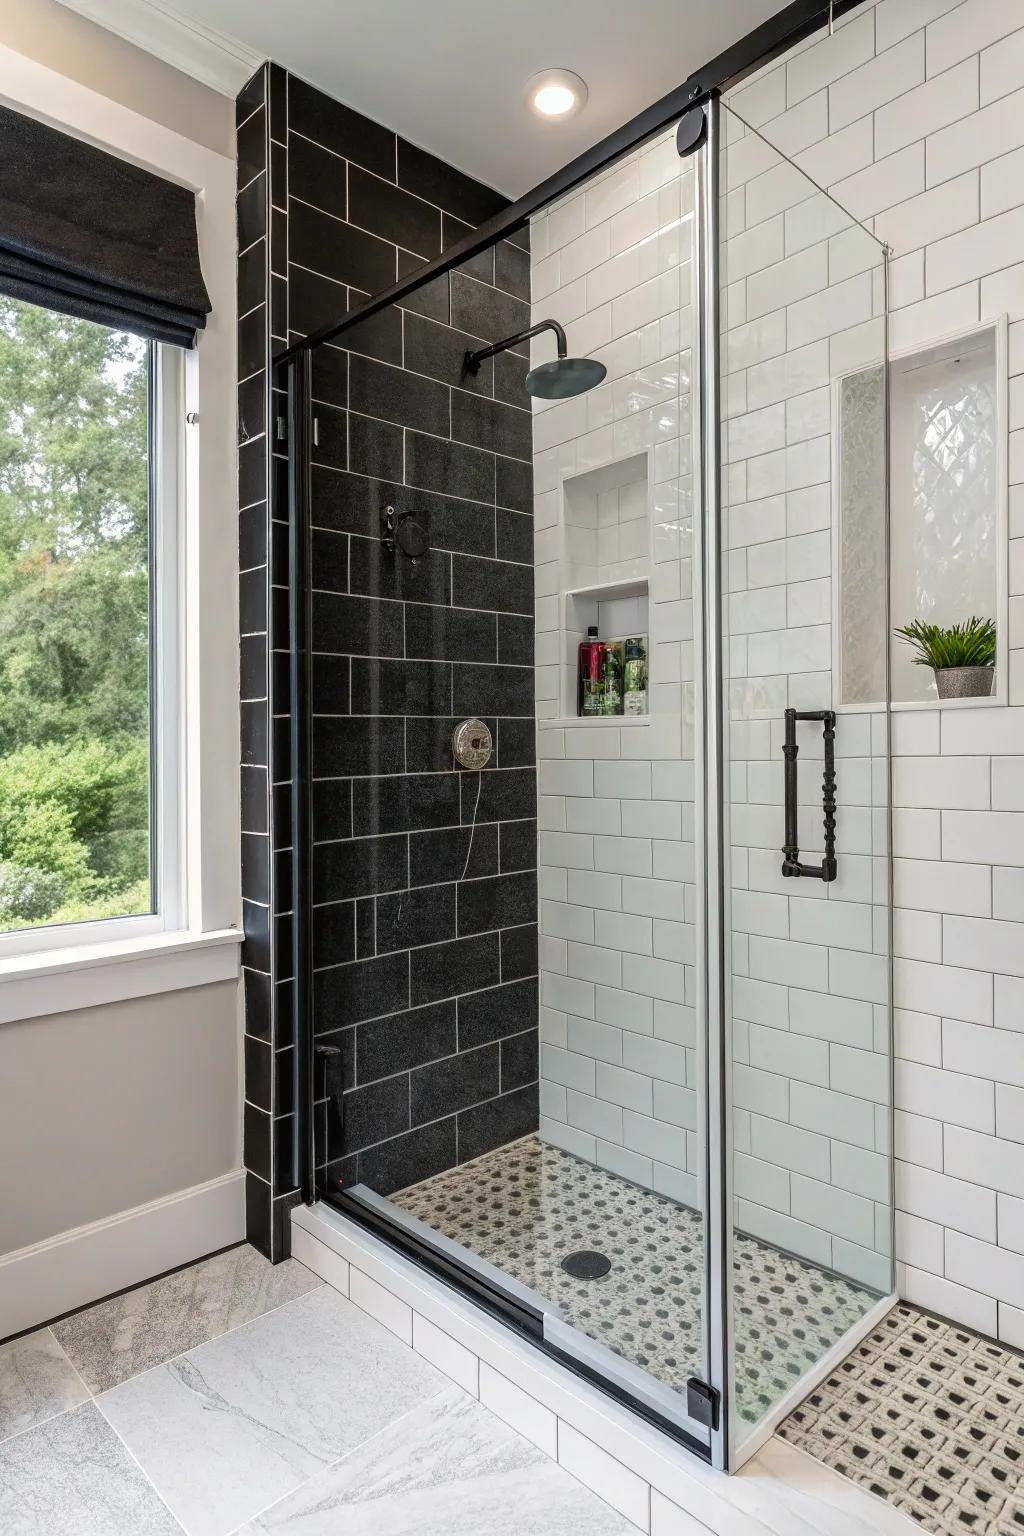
(450, 74)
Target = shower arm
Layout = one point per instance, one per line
(474, 359)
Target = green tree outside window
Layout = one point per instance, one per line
(74, 620)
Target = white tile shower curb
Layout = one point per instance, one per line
(652, 1481)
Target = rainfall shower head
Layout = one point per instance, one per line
(557, 380)
(564, 377)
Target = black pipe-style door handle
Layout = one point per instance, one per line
(791, 864)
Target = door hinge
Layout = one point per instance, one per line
(702, 1403)
(691, 132)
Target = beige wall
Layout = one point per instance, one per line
(78, 48)
(108, 1108)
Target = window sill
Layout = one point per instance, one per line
(89, 975)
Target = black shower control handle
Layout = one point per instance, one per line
(401, 534)
(791, 865)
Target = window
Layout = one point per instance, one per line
(89, 418)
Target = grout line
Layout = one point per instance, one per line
(41, 1423)
(261, 172)
(259, 107)
(141, 1468)
(453, 1115)
(6, 1439)
(72, 1364)
(245, 1323)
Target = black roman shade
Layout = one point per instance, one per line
(94, 236)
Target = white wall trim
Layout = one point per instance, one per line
(56, 981)
(81, 1266)
(219, 61)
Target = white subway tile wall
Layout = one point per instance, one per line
(912, 115)
(614, 263)
(937, 90)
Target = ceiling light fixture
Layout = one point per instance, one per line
(556, 94)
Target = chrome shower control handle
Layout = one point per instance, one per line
(471, 744)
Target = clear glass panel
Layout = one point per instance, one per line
(622, 1060)
(802, 290)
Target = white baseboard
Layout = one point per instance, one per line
(78, 1267)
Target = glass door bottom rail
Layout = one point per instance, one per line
(528, 1206)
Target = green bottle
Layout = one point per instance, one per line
(611, 700)
(634, 676)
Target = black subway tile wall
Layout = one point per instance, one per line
(258, 882)
(424, 928)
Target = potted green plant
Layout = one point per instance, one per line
(962, 656)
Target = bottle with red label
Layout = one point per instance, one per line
(590, 676)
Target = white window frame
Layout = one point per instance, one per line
(194, 936)
(166, 606)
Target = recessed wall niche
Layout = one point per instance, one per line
(947, 465)
(605, 563)
(606, 528)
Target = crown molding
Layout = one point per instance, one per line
(221, 62)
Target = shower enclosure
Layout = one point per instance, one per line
(594, 1013)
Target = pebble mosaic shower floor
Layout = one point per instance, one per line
(526, 1206)
(930, 1417)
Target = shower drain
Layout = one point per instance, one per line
(586, 1265)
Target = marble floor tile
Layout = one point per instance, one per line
(72, 1477)
(128, 1334)
(448, 1468)
(37, 1380)
(236, 1424)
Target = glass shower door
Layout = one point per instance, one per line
(623, 1071)
(806, 915)
(507, 977)
(629, 1090)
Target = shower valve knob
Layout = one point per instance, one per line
(400, 534)
(471, 744)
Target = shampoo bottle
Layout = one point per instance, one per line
(590, 675)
